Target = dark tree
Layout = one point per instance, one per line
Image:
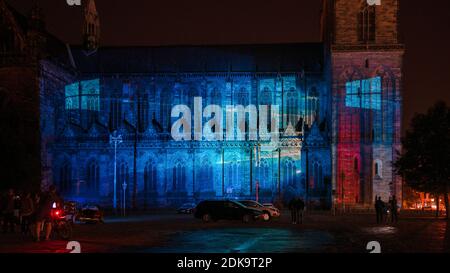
(425, 160)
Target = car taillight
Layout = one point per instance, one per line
(57, 213)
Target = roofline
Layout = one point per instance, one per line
(206, 45)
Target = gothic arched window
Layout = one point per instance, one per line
(388, 107)
(289, 172)
(317, 175)
(291, 106)
(205, 177)
(233, 173)
(150, 178)
(115, 113)
(266, 96)
(366, 23)
(243, 97)
(93, 177)
(378, 169)
(266, 99)
(90, 95)
(313, 105)
(179, 177)
(143, 105)
(65, 177)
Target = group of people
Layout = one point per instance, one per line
(28, 211)
(296, 206)
(384, 210)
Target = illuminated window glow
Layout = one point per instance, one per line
(72, 96)
(365, 94)
(90, 92)
(84, 95)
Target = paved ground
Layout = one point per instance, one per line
(321, 232)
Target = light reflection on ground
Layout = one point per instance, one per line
(386, 230)
(247, 240)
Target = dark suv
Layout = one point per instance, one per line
(225, 210)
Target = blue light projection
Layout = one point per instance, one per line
(365, 94)
(90, 91)
(72, 96)
(85, 94)
(169, 171)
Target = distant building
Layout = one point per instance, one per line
(339, 100)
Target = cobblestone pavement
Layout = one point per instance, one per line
(320, 232)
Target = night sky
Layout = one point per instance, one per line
(425, 29)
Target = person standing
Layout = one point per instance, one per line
(376, 208)
(379, 209)
(293, 209)
(17, 204)
(300, 208)
(8, 212)
(37, 199)
(2, 207)
(394, 210)
(26, 211)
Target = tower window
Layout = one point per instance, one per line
(377, 169)
(367, 24)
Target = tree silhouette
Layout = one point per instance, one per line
(425, 160)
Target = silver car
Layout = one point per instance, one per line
(270, 211)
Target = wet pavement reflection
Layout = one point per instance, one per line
(387, 230)
(247, 240)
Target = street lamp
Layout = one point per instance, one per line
(115, 140)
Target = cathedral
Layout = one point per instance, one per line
(106, 114)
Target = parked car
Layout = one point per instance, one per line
(186, 208)
(270, 211)
(215, 210)
(90, 214)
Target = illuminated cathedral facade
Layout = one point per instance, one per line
(339, 118)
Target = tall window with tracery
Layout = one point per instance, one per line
(93, 177)
(65, 177)
(289, 173)
(205, 177)
(266, 99)
(291, 107)
(233, 173)
(179, 177)
(115, 116)
(264, 174)
(366, 23)
(150, 178)
(317, 175)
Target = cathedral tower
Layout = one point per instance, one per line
(36, 32)
(366, 68)
(91, 28)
